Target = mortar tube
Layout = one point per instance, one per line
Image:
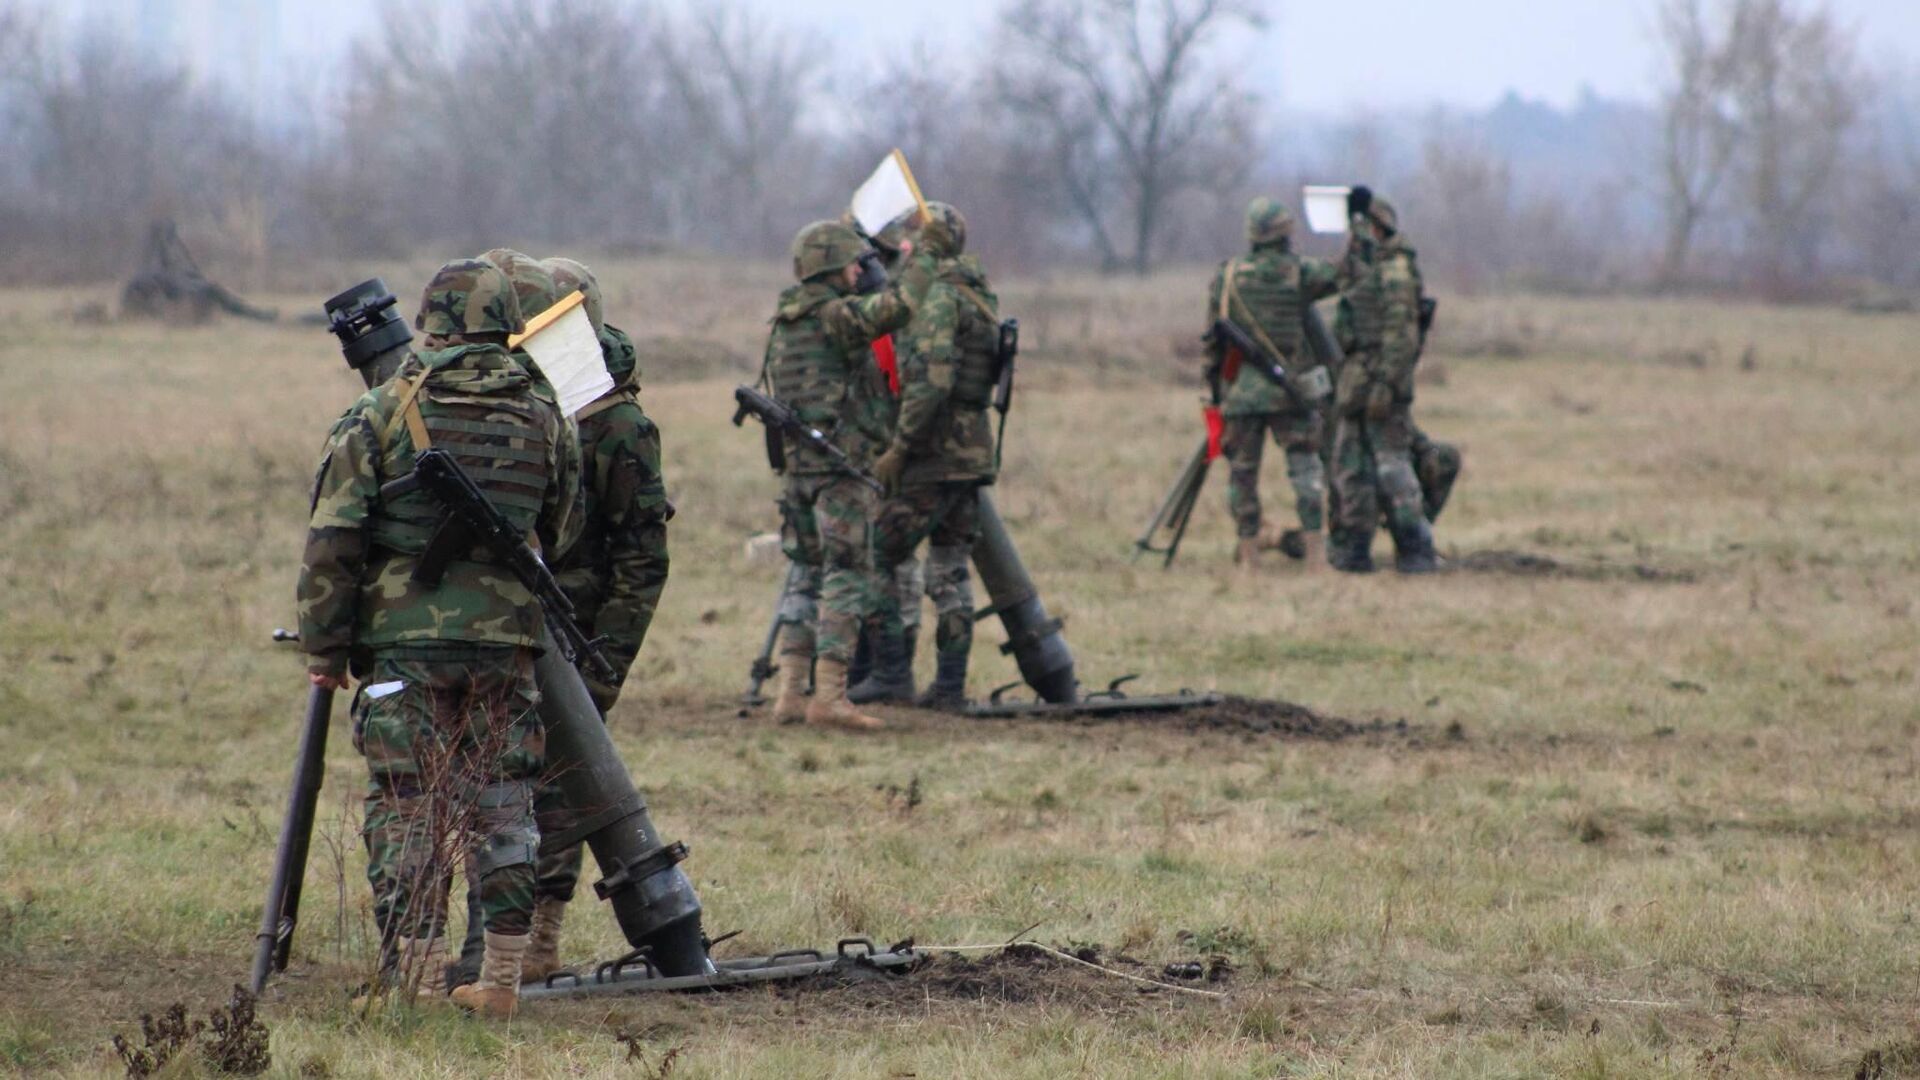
(1033, 637)
(652, 898)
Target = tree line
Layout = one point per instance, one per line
(1116, 134)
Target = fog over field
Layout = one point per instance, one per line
(1572, 147)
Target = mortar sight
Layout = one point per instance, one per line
(372, 334)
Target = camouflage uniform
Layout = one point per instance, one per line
(947, 370)
(446, 701)
(616, 572)
(819, 362)
(1373, 442)
(1267, 293)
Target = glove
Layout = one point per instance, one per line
(889, 468)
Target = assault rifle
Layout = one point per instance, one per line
(1006, 352)
(779, 419)
(473, 521)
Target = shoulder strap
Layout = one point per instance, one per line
(623, 396)
(1228, 290)
(978, 301)
(409, 413)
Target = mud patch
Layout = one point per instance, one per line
(1017, 975)
(1288, 720)
(1527, 564)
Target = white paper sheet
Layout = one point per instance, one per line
(887, 194)
(1326, 208)
(568, 353)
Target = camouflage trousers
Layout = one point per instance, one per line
(453, 745)
(1245, 443)
(946, 516)
(828, 527)
(1373, 473)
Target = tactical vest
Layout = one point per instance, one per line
(977, 340)
(807, 368)
(500, 442)
(1366, 309)
(1266, 286)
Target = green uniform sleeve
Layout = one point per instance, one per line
(1319, 279)
(344, 491)
(858, 321)
(561, 515)
(927, 367)
(634, 511)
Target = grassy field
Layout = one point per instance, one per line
(1652, 813)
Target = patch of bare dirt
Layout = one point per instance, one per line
(1288, 720)
(1017, 975)
(1528, 564)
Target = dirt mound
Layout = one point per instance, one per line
(1285, 718)
(1527, 564)
(1017, 975)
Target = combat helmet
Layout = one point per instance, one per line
(1268, 222)
(531, 283)
(824, 247)
(953, 223)
(1382, 214)
(569, 275)
(469, 296)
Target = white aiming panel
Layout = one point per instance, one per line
(1325, 207)
(561, 340)
(887, 194)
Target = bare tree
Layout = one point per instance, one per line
(1698, 133)
(742, 84)
(1796, 88)
(1129, 110)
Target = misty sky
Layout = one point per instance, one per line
(1416, 52)
(1459, 52)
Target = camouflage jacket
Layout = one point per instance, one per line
(617, 570)
(1379, 320)
(1272, 289)
(819, 362)
(947, 361)
(356, 593)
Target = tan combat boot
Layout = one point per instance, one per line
(791, 706)
(423, 959)
(543, 944)
(830, 707)
(497, 993)
(1315, 559)
(1247, 555)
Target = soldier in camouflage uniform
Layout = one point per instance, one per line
(614, 574)
(819, 362)
(940, 455)
(445, 712)
(1266, 293)
(1373, 443)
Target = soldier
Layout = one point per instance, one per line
(1373, 444)
(819, 361)
(940, 455)
(1267, 292)
(614, 574)
(445, 712)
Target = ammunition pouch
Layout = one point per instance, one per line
(1379, 402)
(518, 844)
(1316, 384)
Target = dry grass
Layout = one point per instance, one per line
(1675, 839)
